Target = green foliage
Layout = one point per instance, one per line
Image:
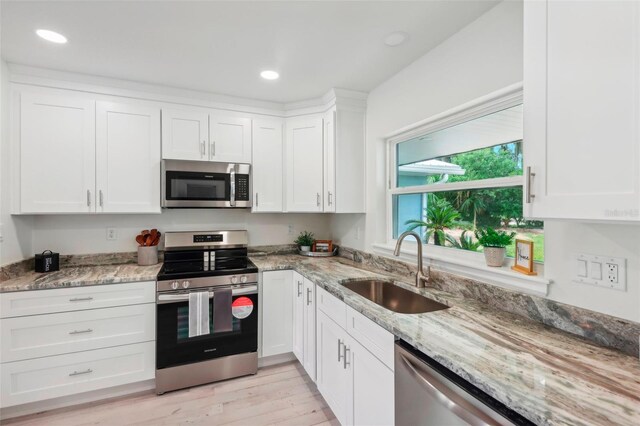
(491, 238)
(440, 216)
(305, 239)
(466, 242)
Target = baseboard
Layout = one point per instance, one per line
(77, 399)
(276, 359)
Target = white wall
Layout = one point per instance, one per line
(87, 234)
(483, 57)
(15, 231)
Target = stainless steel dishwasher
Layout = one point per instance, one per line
(427, 393)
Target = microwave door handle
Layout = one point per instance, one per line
(232, 196)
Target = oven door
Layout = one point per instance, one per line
(174, 346)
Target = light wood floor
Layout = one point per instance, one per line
(281, 394)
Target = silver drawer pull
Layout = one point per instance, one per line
(80, 299)
(346, 357)
(88, 330)
(78, 373)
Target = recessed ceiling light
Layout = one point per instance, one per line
(269, 75)
(52, 36)
(395, 39)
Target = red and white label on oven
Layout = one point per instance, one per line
(242, 307)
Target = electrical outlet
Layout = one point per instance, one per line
(602, 271)
(612, 273)
(112, 234)
(290, 230)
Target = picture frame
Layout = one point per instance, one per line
(323, 246)
(523, 261)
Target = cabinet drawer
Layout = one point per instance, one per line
(56, 334)
(62, 375)
(374, 338)
(37, 302)
(332, 306)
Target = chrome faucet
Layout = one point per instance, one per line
(421, 277)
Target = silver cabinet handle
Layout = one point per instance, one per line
(330, 198)
(212, 149)
(345, 357)
(256, 199)
(202, 148)
(88, 330)
(528, 195)
(88, 197)
(299, 288)
(308, 296)
(77, 373)
(339, 347)
(318, 199)
(80, 299)
(100, 196)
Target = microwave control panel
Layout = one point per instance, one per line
(242, 187)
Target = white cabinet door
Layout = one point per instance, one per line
(333, 379)
(267, 166)
(57, 154)
(230, 139)
(582, 109)
(304, 164)
(298, 317)
(310, 329)
(128, 158)
(371, 393)
(277, 312)
(185, 135)
(329, 196)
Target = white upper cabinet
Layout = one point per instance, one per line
(185, 135)
(582, 110)
(348, 195)
(128, 158)
(57, 154)
(304, 153)
(229, 139)
(329, 158)
(267, 165)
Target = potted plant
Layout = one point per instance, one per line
(305, 240)
(494, 243)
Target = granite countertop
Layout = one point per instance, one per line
(547, 375)
(79, 276)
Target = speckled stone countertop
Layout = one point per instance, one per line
(78, 276)
(549, 376)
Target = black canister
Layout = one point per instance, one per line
(48, 261)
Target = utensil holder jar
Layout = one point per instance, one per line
(147, 255)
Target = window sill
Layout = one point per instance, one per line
(470, 265)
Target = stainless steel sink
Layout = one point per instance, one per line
(393, 297)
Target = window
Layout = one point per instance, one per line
(453, 179)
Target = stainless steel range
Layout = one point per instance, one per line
(207, 310)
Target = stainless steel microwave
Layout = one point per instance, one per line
(203, 184)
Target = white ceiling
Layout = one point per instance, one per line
(221, 47)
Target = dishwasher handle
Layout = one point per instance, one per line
(454, 402)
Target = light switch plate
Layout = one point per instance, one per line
(601, 271)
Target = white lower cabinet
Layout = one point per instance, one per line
(357, 385)
(50, 377)
(298, 316)
(62, 342)
(304, 323)
(277, 312)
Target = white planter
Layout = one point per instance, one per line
(305, 248)
(494, 256)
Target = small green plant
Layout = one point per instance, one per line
(491, 238)
(305, 239)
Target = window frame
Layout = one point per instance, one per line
(461, 262)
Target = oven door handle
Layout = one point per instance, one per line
(182, 297)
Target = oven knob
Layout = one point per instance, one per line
(234, 279)
(243, 279)
(174, 285)
(185, 284)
